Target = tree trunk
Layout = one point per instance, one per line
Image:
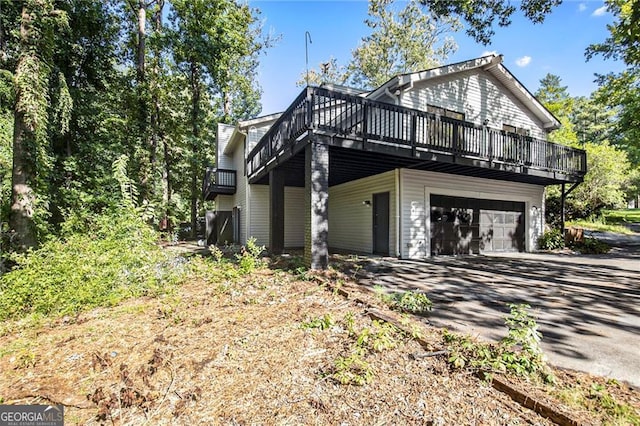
(166, 177)
(143, 107)
(142, 20)
(22, 194)
(23, 197)
(155, 115)
(195, 116)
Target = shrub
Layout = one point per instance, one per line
(551, 240)
(591, 245)
(519, 352)
(407, 301)
(117, 258)
(249, 258)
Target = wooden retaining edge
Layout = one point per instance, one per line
(518, 395)
(527, 401)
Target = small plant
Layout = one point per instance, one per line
(406, 301)
(216, 253)
(353, 369)
(379, 337)
(551, 240)
(413, 302)
(249, 258)
(519, 352)
(591, 245)
(323, 323)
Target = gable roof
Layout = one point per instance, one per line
(243, 127)
(491, 64)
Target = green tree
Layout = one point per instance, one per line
(327, 72)
(593, 121)
(481, 15)
(621, 91)
(402, 40)
(31, 161)
(210, 42)
(557, 100)
(605, 184)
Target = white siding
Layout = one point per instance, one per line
(255, 133)
(351, 221)
(259, 213)
(240, 197)
(417, 187)
(225, 202)
(224, 134)
(293, 217)
(479, 96)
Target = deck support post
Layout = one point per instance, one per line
(316, 206)
(562, 210)
(276, 211)
(563, 200)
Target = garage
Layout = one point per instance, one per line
(501, 231)
(470, 225)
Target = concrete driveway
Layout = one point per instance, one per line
(588, 307)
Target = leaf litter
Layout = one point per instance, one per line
(236, 353)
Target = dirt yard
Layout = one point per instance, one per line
(269, 348)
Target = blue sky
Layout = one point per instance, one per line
(530, 51)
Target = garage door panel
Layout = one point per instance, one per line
(462, 225)
(504, 230)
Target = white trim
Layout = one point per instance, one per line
(396, 176)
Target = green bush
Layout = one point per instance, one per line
(412, 302)
(249, 259)
(551, 240)
(117, 258)
(519, 352)
(591, 245)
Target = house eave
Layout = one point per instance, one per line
(243, 126)
(491, 64)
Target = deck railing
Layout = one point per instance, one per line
(218, 181)
(355, 117)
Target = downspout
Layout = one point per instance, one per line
(398, 212)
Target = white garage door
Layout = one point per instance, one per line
(501, 231)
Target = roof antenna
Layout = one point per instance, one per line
(307, 37)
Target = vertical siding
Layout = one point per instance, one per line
(351, 222)
(417, 187)
(224, 134)
(479, 96)
(293, 217)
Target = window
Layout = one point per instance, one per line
(518, 130)
(445, 112)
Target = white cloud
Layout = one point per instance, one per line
(524, 61)
(489, 52)
(582, 7)
(600, 11)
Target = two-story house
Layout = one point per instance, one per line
(451, 160)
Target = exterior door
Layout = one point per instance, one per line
(381, 223)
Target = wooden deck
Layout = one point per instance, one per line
(357, 123)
